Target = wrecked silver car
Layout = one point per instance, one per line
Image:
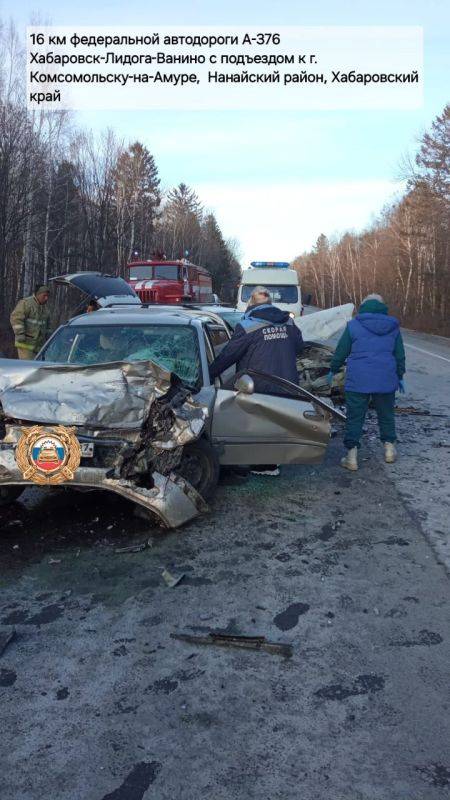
(132, 386)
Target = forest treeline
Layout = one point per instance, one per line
(405, 254)
(70, 201)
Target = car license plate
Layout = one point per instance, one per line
(87, 449)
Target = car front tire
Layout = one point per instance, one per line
(200, 466)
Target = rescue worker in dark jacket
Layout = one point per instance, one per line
(373, 347)
(267, 340)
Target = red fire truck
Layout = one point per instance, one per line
(170, 282)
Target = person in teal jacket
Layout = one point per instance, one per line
(373, 348)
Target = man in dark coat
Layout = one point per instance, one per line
(266, 340)
(373, 347)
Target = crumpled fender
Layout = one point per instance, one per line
(172, 499)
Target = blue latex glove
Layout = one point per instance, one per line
(402, 386)
(329, 378)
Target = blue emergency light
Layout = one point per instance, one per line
(276, 264)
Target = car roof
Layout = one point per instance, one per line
(198, 310)
(193, 308)
(140, 315)
(217, 309)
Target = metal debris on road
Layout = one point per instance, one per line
(415, 411)
(243, 642)
(5, 638)
(411, 410)
(132, 548)
(172, 580)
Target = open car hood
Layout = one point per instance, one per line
(105, 289)
(326, 323)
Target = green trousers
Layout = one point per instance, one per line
(357, 405)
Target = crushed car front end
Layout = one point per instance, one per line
(130, 421)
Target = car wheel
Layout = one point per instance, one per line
(10, 493)
(200, 466)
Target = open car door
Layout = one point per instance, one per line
(253, 428)
(106, 290)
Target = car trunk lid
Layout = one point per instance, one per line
(105, 289)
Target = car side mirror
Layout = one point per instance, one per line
(244, 384)
(308, 299)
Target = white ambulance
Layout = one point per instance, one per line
(281, 281)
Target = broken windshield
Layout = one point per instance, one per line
(174, 347)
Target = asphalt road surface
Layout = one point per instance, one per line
(98, 702)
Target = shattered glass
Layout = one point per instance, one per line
(174, 347)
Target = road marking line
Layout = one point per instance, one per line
(427, 352)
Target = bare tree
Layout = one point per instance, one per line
(70, 201)
(405, 254)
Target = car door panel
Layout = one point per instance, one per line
(262, 429)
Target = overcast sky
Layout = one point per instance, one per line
(274, 180)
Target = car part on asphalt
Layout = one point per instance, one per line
(6, 637)
(417, 412)
(243, 642)
(133, 548)
(171, 580)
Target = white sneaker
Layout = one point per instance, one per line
(350, 461)
(390, 453)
